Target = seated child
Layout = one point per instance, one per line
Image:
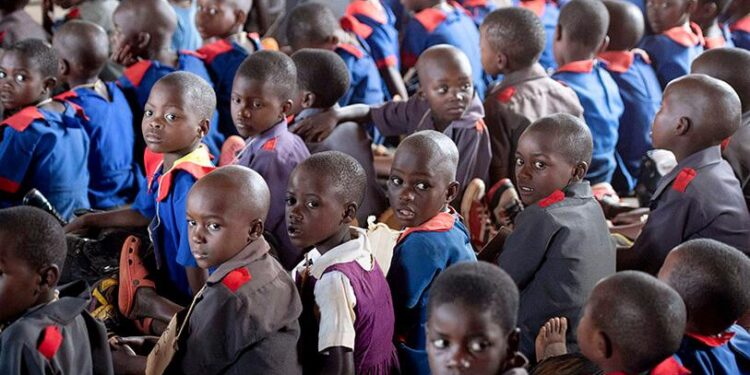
(711, 277)
(738, 18)
(438, 22)
(44, 144)
(244, 319)
(176, 118)
(560, 246)
(728, 65)
(261, 99)
(82, 48)
(525, 93)
(344, 287)
(706, 16)
(313, 25)
(421, 186)
(16, 24)
(548, 12)
(98, 12)
(43, 329)
(142, 44)
(639, 88)
(581, 34)
(222, 21)
(471, 322)
(675, 42)
(700, 197)
(632, 324)
(322, 78)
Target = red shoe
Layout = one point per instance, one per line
(503, 202)
(475, 214)
(229, 150)
(132, 275)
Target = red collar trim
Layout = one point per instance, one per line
(475, 3)
(670, 366)
(135, 72)
(582, 66)
(617, 61)
(441, 222)
(683, 179)
(212, 50)
(556, 196)
(742, 25)
(236, 278)
(367, 9)
(686, 37)
(715, 42)
(712, 341)
(192, 53)
(352, 49)
(536, 6)
(349, 23)
(197, 163)
(21, 120)
(430, 18)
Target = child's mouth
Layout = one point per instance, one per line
(525, 189)
(293, 231)
(404, 213)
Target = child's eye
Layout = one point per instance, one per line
(170, 117)
(422, 186)
(290, 201)
(148, 113)
(213, 227)
(519, 162)
(312, 204)
(478, 346)
(466, 87)
(3, 74)
(257, 104)
(440, 343)
(442, 89)
(213, 11)
(539, 165)
(236, 99)
(396, 181)
(20, 78)
(191, 223)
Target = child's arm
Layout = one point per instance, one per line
(319, 127)
(338, 361)
(125, 217)
(196, 278)
(336, 335)
(394, 82)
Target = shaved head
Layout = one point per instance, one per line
(626, 25)
(439, 150)
(442, 57)
(729, 65)
(155, 17)
(246, 189)
(82, 44)
(571, 136)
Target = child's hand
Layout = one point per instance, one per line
(318, 127)
(77, 226)
(124, 56)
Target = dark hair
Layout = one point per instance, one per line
(323, 73)
(9, 6)
(310, 23)
(201, 95)
(571, 135)
(517, 32)
(728, 65)
(273, 67)
(35, 237)
(251, 190)
(642, 316)
(566, 364)
(156, 17)
(626, 25)
(715, 106)
(721, 5)
(439, 148)
(38, 51)
(478, 285)
(343, 173)
(85, 43)
(585, 22)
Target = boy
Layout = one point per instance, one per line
(16, 24)
(700, 197)
(525, 93)
(639, 89)
(176, 118)
(706, 15)
(581, 34)
(728, 64)
(560, 246)
(44, 330)
(632, 324)
(548, 12)
(82, 48)
(44, 144)
(261, 99)
(313, 25)
(143, 45)
(322, 78)
(421, 186)
(438, 22)
(675, 42)
(711, 277)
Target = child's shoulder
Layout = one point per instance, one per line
(133, 75)
(444, 231)
(222, 47)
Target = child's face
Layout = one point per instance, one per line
(256, 106)
(665, 14)
(21, 82)
(586, 335)
(169, 124)
(448, 90)
(461, 340)
(124, 34)
(489, 55)
(18, 283)
(540, 168)
(669, 114)
(215, 18)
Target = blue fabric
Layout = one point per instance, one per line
(741, 39)
(365, 85)
(383, 41)
(186, 37)
(549, 17)
(670, 59)
(730, 358)
(479, 11)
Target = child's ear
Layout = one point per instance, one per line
(558, 33)
(286, 107)
(308, 99)
(50, 275)
(579, 171)
(684, 124)
(142, 40)
(604, 45)
(203, 127)
(256, 230)
(63, 67)
(350, 212)
(452, 192)
(49, 84)
(501, 61)
(239, 18)
(603, 345)
(333, 41)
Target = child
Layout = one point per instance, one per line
(261, 99)
(16, 24)
(82, 48)
(313, 25)
(728, 65)
(548, 12)
(639, 89)
(322, 78)
(675, 42)
(560, 246)
(44, 329)
(471, 322)
(706, 16)
(632, 324)
(176, 118)
(525, 93)
(344, 284)
(438, 22)
(700, 197)
(98, 12)
(44, 144)
(711, 277)
(738, 19)
(142, 44)
(222, 20)
(421, 186)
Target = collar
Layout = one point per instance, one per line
(670, 366)
(352, 24)
(700, 159)
(442, 222)
(73, 299)
(620, 61)
(536, 6)
(536, 72)
(368, 9)
(712, 341)
(690, 36)
(356, 249)
(712, 42)
(197, 163)
(309, 112)
(351, 49)
(581, 66)
(70, 116)
(255, 143)
(212, 50)
(742, 25)
(474, 113)
(250, 253)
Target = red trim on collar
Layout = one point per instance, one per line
(474, 3)
(349, 23)
(683, 179)
(582, 66)
(237, 278)
(135, 72)
(536, 6)
(742, 25)
(506, 94)
(50, 343)
(480, 126)
(712, 341)
(73, 14)
(669, 366)
(556, 196)
(196, 170)
(352, 49)
(690, 37)
(212, 50)
(367, 9)
(441, 222)
(714, 42)
(66, 95)
(290, 119)
(270, 144)
(151, 162)
(387, 62)
(725, 143)
(192, 53)
(21, 120)
(9, 186)
(430, 18)
(617, 61)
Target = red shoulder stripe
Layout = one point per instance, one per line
(236, 279)
(270, 144)
(712, 341)
(9, 186)
(66, 95)
(349, 23)
(387, 62)
(135, 72)
(192, 53)
(352, 49)
(506, 94)
(670, 366)
(21, 120)
(556, 196)
(430, 18)
(683, 179)
(742, 25)
(50, 343)
(212, 50)
(366, 9)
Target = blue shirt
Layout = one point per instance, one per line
(741, 33)
(727, 354)
(478, 9)
(365, 85)
(673, 51)
(378, 28)
(48, 151)
(186, 36)
(602, 108)
(548, 12)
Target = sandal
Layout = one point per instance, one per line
(132, 275)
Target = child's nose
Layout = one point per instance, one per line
(459, 359)
(406, 194)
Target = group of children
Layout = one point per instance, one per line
(254, 172)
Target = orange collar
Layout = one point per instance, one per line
(352, 24)
(581, 66)
(367, 9)
(712, 341)
(742, 25)
(441, 222)
(197, 163)
(686, 37)
(536, 6)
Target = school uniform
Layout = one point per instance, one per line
(726, 353)
(244, 321)
(669, 366)
(560, 248)
(724, 40)
(377, 27)
(186, 35)
(274, 154)
(48, 151)
(602, 108)
(641, 98)
(17, 26)
(513, 105)
(163, 202)
(433, 26)
(699, 198)
(478, 9)
(741, 33)
(673, 51)
(115, 178)
(59, 337)
(469, 132)
(421, 253)
(365, 85)
(736, 151)
(548, 12)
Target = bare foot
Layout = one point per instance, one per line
(550, 341)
